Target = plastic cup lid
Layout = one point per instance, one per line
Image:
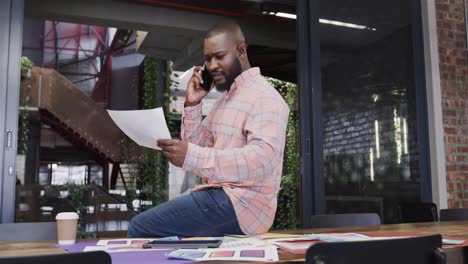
(66, 216)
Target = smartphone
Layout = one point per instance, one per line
(207, 79)
(183, 244)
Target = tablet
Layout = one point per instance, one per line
(183, 244)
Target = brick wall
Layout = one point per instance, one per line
(453, 77)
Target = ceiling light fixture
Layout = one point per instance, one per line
(321, 20)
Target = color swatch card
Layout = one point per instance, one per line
(124, 244)
(121, 248)
(242, 243)
(130, 241)
(228, 254)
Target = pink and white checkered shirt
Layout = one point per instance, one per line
(239, 146)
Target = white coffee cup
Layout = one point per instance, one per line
(67, 223)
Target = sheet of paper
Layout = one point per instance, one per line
(121, 248)
(242, 243)
(296, 247)
(202, 238)
(144, 127)
(277, 235)
(124, 244)
(338, 237)
(452, 241)
(228, 254)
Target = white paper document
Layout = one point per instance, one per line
(144, 127)
(242, 243)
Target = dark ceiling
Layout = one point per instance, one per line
(385, 16)
(275, 59)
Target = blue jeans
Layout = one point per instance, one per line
(203, 213)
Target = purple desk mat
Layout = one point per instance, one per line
(140, 257)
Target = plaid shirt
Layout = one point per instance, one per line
(239, 146)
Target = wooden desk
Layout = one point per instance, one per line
(456, 255)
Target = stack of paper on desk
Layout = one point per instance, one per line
(299, 245)
(144, 127)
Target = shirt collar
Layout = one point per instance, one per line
(243, 77)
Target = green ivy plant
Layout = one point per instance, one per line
(168, 99)
(153, 166)
(286, 214)
(76, 195)
(26, 67)
(26, 62)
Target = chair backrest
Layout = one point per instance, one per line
(417, 212)
(28, 231)
(94, 257)
(456, 214)
(415, 250)
(343, 220)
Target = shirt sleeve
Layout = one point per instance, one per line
(192, 129)
(265, 130)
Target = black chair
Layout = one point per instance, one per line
(456, 214)
(95, 257)
(417, 212)
(344, 220)
(28, 231)
(415, 250)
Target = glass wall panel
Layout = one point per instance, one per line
(369, 106)
(72, 157)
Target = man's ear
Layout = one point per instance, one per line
(242, 50)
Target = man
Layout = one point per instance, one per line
(237, 149)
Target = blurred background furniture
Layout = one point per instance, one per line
(28, 231)
(415, 250)
(417, 212)
(343, 220)
(456, 214)
(95, 257)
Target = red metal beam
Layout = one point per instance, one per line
(34, 48)
(98, 36)
(109, 79)
(78, 42)
(65, 37)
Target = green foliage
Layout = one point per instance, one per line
(23, 132)
(153, 165)
(286, 214)
(26, 62)
(26, 66)
(171, 121)
(76, 197)
(123, 41)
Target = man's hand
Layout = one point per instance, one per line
(195, 93)
(174, 150)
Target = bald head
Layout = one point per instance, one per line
(228, 27)
(225, 53)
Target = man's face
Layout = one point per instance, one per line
(221, 60)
